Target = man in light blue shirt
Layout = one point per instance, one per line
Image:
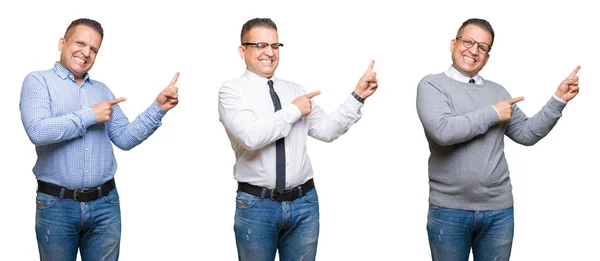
(73, 122)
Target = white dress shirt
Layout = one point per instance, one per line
(247, 113)
(456, 75)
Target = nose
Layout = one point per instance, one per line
(86, 51)
(269, 50)
(474, 49)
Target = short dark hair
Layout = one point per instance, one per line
(481, 23)
(88, 22)
(257, 22)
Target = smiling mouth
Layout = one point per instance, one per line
(80, 61)
(266, 61)
(468, 59)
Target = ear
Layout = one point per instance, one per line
(242, 52)
(61, 42)
(452, 43)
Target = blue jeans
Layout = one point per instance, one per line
(453, 232)
(63, 226)
(262, 226)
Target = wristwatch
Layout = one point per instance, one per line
(358, 98)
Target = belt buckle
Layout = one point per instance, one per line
(274, 194)
(80, 191)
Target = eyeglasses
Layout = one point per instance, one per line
(468, 42)
(262, 46)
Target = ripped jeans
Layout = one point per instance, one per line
(453, 232)
(63, 226)
(262, 226)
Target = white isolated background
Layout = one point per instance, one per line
(177, 188)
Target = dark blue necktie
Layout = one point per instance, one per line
(279, 146)
(471, 80)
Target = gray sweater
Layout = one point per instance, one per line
(467, 167)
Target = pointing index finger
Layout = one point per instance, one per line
(116, 101)
(370, 69)
(313, 94)
(515, 100)
(575, 71)
(174, 81)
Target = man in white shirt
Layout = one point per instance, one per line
(268, 120)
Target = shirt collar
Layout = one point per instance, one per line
(63, 73)
(456, 75)
(258, 79)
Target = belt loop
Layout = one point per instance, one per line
(299, 191)
(263, 192)
(62, 193)
(99, 191)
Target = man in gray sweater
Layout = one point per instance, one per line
(465, 118)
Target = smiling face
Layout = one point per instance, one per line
(264, 61)
(469, 61)
(79, 49)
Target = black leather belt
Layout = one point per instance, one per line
(288, 195)
(80, 195)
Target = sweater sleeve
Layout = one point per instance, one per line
(441, 124)
(528, 131)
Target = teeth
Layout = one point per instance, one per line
(266, 61)
(469, 59)
(79, 60)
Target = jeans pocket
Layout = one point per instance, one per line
(244, 200)
(312, 196)
(44, 201)
(112, 197)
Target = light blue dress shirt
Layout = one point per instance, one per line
(73, 150)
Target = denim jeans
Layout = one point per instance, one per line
(453, 232)
(63, 226)
(262, 226)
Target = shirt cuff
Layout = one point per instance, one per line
(88, 117)
(352, 104)
(493, 116)
(559, 99)
(497, 113)
(290, 113)
(156, 112)
(557, 104)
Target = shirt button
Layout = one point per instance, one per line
(86, 171)
(87, 148)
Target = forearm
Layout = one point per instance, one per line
(528, 131)
(446, 129)
(326, 127)
(253, 132)
(442, 124)
(127, 135)
(46, 130)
